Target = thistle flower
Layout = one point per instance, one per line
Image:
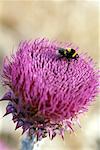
(45, 93)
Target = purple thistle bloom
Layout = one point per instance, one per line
(45, 93)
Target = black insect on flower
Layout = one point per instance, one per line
(69, 53)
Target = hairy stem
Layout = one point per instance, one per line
(27, 143)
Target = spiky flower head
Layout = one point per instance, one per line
(46, 92)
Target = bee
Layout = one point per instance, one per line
(69, 53)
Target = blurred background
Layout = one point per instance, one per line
(69, 20)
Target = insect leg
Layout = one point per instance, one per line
(68, 64)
